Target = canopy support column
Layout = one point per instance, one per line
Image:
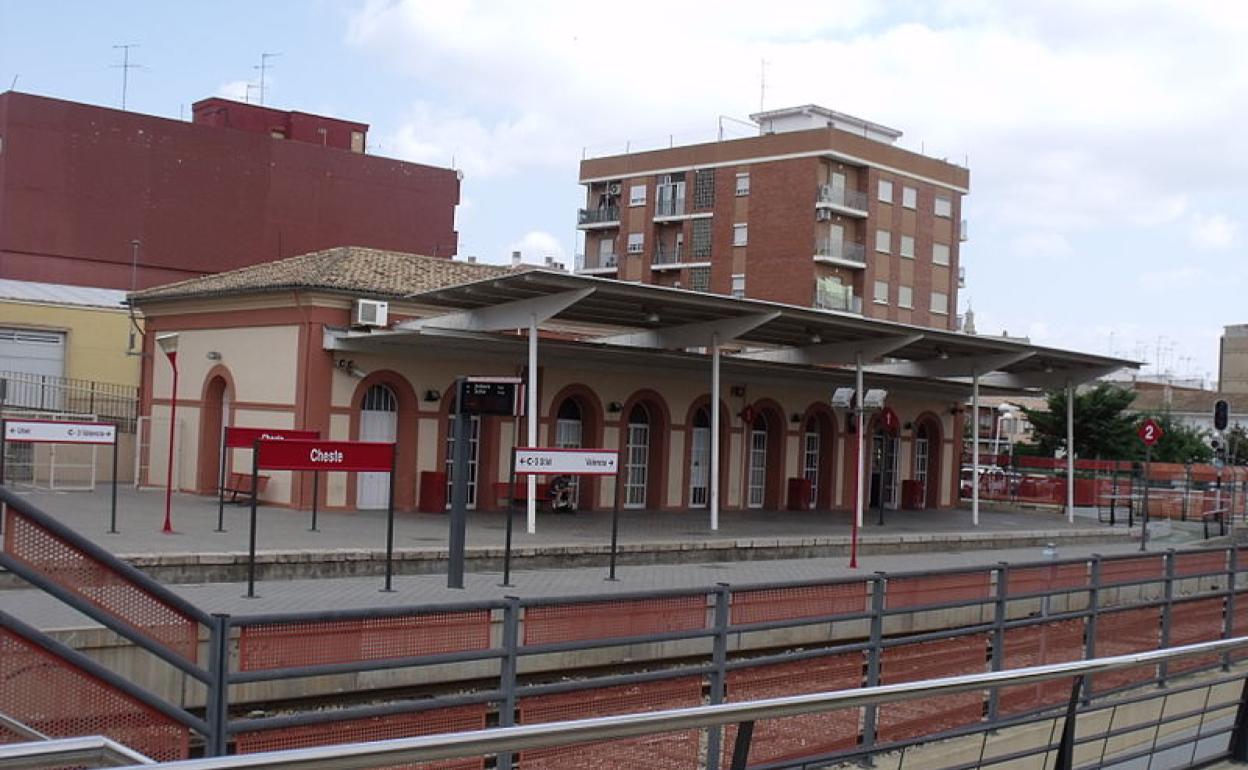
(714, 407)
(858, 412)
(975, 448)
(1070, 451)
(531, 411)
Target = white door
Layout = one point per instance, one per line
(637, 467)
(920, 464)
(379, 421)
(836, 240)
(810, 463)
(699, 462)
(568, 436)
(474, 449)
(38, 358)
(838, 187)
(757, 491)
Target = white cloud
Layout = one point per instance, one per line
(1173, 279)
(1041, 245)
(238, 90)
(536, 246)
(1214, 232)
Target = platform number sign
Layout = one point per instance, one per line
(1150, 432)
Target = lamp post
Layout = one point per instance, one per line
(169, 344)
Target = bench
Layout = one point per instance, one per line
(239, 484)
(521, 492)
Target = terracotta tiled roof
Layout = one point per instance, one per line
(350, 269)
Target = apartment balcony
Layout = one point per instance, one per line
(596, 264)
(962, 236)
(850, 202)
(837, 298)
(669, 207)
(601, 217)
(842, 253)
(674, 258)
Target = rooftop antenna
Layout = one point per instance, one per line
(247, 89)
(263, 66)
(13, 85)
(125, 67)
(762, 83)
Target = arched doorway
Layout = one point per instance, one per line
(885, 460)
(638, 435)
(700, 459)
(379, 421)
(214, 416)
(927, 450)
(570, 434)
(756, 468)
(474, 456)
(818, 444)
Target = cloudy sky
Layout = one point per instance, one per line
(1109, 208)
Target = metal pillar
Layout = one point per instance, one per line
(1070, 451)
(531, 411)
(975, 447)
(714, 406)
(858, 411)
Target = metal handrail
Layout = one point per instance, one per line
(478, 742)
(88, 750)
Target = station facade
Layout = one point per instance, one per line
(280, 345)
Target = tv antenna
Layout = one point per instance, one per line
(125, 67)
(263, 67)
(762, 83)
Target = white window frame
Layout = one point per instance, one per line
(738, 284)
(906, 247)
(942, 206)
(905, 297)
(740, 234)
(939, 249)
(636, 243)
(875, 293)
(885, 237)
(884, 191)
(943, 308)
(743, 183)
(637, 195)
(910, 197)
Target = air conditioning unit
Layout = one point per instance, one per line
(825, 191)
(614, 188)
(370, 312)
(823, 215)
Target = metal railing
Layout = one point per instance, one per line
(596, 261)
(84, 751)
(846, 250)
(667, 255)
(599, 215)
(669, 207)
(749, 713)
(837, 299)
(111, 402)
(849, 199)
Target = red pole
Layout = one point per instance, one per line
(173, 414)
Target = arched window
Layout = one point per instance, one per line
(379, 421)
(756, 492)
(811, 447)
(700, 459)
(637, 468)
(569, 434)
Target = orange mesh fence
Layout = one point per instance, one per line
(923, 590)
(768, 604)
(580, 621)
(1210, 562)
(806, 735)
(99, 583)
(1195, 621)
(60, 700)
(1116, 571)
(1057, 642)
(1051, 577)
(1122, 633)
(929, 660)
(447, 720)
(313, 642)
(665, 751)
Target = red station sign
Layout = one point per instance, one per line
(890, 421)
(246, 438)
(317, 455)
(1150, 432)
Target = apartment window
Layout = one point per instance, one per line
(740, 234)
(704, 188)
(701, 239)
(942, 207)
(905, 297)
(940, 303)
(909, 197)
(886, 191)
(940, 253)
(738, 285)
(743, 183)
(883, 241)
(637, 195)
(700, 278)
(881, 293)
(907, 246)
(636, 243)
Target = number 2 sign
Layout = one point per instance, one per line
(1150, 432)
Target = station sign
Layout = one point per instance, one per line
(570, 462)
(317, 455)
(57, 432)
(1150, 432)
(491, 395)
(245, 438)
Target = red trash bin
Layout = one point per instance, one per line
(799, 495)
(432, 492)
(912, 495)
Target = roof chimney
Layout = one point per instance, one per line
(471, 259)
(515, 258)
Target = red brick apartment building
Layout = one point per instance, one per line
(819, 210)
(239, 185)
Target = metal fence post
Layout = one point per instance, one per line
(719, 676)
(1228, 622)
(1094, 606)
(1065, 759)
(507, 673)
(1166, 608)
(998, 635)
(870, 713)
(218, 702)
(1239, 735)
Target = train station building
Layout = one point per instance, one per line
(363, 344)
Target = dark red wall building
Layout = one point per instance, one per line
(78, 183)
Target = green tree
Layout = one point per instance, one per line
(1103, 427)
(1179, 443)
(1237, 445)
